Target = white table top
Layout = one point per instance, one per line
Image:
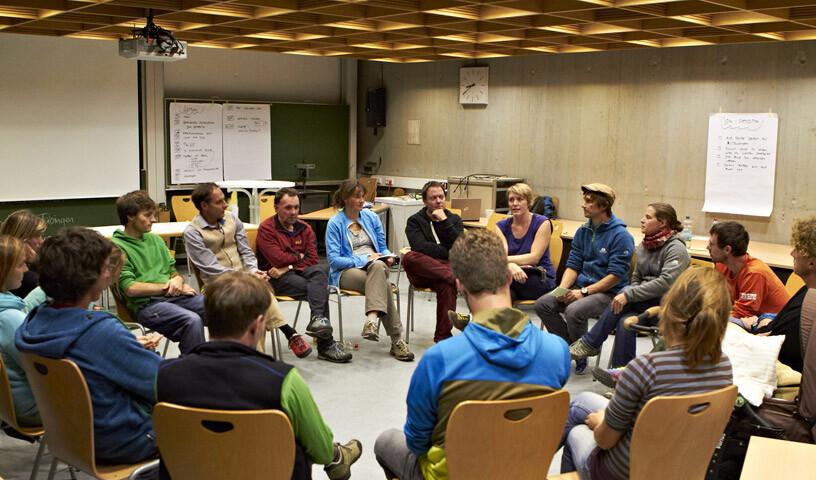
(263, 184)
(162, 229)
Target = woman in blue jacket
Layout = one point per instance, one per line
(359, 260)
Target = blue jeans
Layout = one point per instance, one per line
(578, 440)
(178, 318)
(624, 349)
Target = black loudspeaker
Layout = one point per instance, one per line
(375, 107)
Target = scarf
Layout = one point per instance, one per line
(657, 240)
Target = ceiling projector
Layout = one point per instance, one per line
(153, 43)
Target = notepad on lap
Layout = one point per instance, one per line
(558, 292)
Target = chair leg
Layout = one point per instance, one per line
(297, 314)
(72, 472)
(340, 314)
(36, 470)
(53, 470)
(410, 315)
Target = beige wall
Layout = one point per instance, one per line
(637, 120)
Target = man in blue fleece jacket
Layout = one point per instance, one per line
(74, 269)
(597, 269)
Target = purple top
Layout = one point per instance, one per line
(523, 245)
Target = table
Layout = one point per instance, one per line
(769, 458)
(774, 254)
(166, 230)
(325, 214)
(258, 187)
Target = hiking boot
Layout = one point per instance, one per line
(319, 327)
(580, 366)
(399, 350)
(370, 331)
(340, 468)
(607, 376)
(334, 353)
(581, 349)
(459, 320)
(299, 346)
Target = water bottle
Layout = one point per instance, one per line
(686, 234)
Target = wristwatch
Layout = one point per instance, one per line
(584, 291)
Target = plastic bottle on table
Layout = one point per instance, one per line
(686, 234)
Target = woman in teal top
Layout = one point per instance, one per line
(13, 311)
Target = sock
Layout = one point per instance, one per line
(373, 317)
(287, 331)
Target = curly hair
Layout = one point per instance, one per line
(803, 236)
(71, 262)
(479, 261)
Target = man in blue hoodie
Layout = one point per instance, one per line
(74, 269)
(597, 269)
(501, 355)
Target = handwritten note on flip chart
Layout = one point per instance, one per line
(195, 142)
(741, 163)
(247, 142)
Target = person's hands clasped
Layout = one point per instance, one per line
(174, 286)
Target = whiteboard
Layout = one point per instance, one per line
(247, 141)
(741, 163)
(70, 119)
(196, 142)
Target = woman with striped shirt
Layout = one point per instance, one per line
(693, 318)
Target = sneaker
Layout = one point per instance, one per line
(299, 347)
(459, 320)
(334, 353)
(319, 327)
(399, 350)
(370, 331)
(608, 377)
(580, 366)
(581, 349)
(340, 469)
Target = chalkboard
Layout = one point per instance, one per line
(298, 133)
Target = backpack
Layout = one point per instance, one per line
(544, 205)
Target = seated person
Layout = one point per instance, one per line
(12, 313)
(211, 375)
(661, 258)
(156, 293)
(74, 269)
(526, 238)
(500, 355)
(287, 252)
(355, 241)
(29, 228)
(597, 269)
(216, 243)
(755, 289)
(693, 318)
(431, 233)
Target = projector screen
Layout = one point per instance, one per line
(70, 119)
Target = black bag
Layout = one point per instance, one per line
(726, 463)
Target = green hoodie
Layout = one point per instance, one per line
(148, 261)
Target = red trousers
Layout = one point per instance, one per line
(428, 272)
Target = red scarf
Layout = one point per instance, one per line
(657, 240)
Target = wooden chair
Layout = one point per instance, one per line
(370, 184)
(267, 208)
(183, 208)
(505, 439)
(674, 437)
(67, 413)
(794, 283)
(8, 415)
(493, 219)
(700, 263)
(556, 251)
(342, 292)
(409, 327)
(200, 443)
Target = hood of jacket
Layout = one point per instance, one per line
(505, 337)
(55, 329)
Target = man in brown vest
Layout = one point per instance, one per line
(217, 243)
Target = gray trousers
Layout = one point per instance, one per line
(573, 324)
(378, 296)
(393, 455)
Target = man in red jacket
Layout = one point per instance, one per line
(287, 250)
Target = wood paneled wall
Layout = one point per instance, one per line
(636, 120)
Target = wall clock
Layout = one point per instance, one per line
(473, 85)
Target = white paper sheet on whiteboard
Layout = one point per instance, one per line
(195, 142)
(741, 163)
(247, 142)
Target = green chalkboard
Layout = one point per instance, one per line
(68, 213)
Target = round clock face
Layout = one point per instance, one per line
(473, 85)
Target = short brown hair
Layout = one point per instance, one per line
(23, 224)
(522, 190)
(71, 261)
(479, 261)
(803, 236)
(600, 201)
(233, 301)
(731, 234)
(284, 192)
(130, 204)
(12, 251)
(429, 185)
(695, 312)
(346, 190)
(202, 193)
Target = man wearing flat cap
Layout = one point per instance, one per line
(597, 269)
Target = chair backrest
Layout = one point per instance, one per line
(556, 244)
(65, 408)
(807, 337)
(516, 438)
(267, 207)
(196, 274)
(794, 283)
(121, 305)
(674, 437)
(183, 208)
(200, 443)
(698, 262)
(493, 219)
(252, 238)
(7, 412)
(370, 184)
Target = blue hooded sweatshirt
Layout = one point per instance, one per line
(12, 313)
(120, 373)
(596, 253)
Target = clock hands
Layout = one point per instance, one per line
(468, 87)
